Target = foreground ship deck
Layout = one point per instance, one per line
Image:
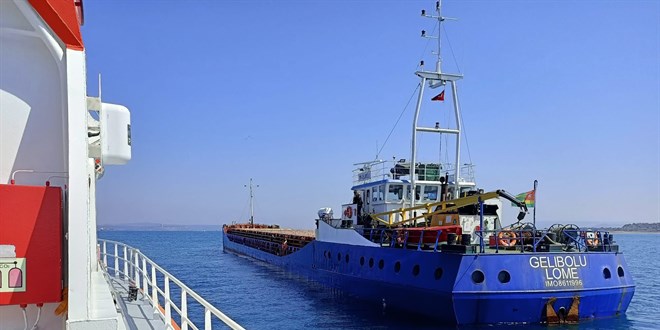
(56, 142)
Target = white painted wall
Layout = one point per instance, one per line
(43, 128)
(32, 119)
(32, 97)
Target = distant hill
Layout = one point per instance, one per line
(156, 227)
(637, 227)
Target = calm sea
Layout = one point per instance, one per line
(259, 296)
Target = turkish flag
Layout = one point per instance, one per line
(439, 97)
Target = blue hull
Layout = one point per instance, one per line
(514, 288)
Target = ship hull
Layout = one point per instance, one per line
(447, 286)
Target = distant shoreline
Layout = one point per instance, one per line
(158, 227)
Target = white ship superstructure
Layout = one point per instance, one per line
(55, 142)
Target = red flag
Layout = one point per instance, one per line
(439, 97)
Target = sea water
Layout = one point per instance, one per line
(260, 296)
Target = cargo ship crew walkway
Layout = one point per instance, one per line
(146, 295)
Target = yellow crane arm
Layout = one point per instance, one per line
(443, 207)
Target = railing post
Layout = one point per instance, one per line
(207, 319)
(136, 267)
(405, 240)
(126, 263)
(168, 307)
(116, 261)
(184, 310)
(105, 254)
(421, 239)
(437, 238)
(145, 288)
(154, 289)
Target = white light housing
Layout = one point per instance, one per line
(325, 213)
(115, 134)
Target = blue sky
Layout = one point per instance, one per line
(292, 93)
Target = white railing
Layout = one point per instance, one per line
(142, 272)
(381, 170)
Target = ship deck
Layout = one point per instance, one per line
(275, 240)
(303, 233)
(136, 314)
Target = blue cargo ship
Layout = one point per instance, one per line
(443, 251)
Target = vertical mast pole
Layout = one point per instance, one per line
(413, 158)
(438, 9)
(457, 113)
(536, 182)
(251, 206)
(251, 202)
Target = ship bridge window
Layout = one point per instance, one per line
(395, 193)
(430, 193)
(417, 190)
(377, 193)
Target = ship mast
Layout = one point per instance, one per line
(436, 79)
(251, 202)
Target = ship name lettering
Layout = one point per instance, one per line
(559, 270)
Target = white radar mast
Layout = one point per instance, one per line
(436, 79)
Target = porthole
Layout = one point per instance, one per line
(381, 264)
(347, 258)
(338, 256)
(503, 276)
(397, 267)
(329, 255)
(416, 270)
(438, 273)
(361, 261)
(371, 262)
(478, 276)
(325, 254)
(606, 273)
(620, 271)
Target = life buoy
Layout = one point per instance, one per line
(348, 212)
(507, 238)
(592, 239)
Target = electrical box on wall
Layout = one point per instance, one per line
(115, 123)
(30, 244)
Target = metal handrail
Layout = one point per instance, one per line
(574, 237)
(135, 266)
(385, 169)
(270, 247)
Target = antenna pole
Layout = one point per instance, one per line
(438, 9)
(536, 182)
(251, 202)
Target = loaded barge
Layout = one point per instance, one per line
(424, 238)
